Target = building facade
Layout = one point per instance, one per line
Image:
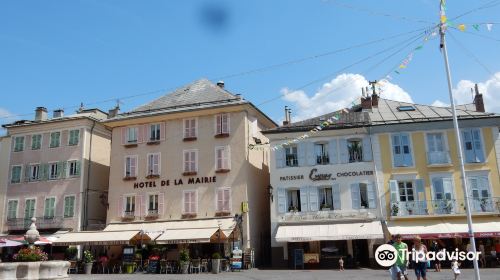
(4, 174)
(58, 172)
(181, 171)
(326, 203)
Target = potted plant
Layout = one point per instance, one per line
(34, 254)
(88, 259)
(71, 253)
(216, 262)
(395, 209)
(292, 208)
(184, 260)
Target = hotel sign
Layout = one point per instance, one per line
(175, 182)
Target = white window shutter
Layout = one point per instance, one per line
(333, 151)
(477, 145)
(372, 197)
(310, 154)
(220, 199)
(336, 197)
(161, 204)
(393, 186)
(228, 157)
(313, 198)
(355, 196)
(344, 155)
(120, 205)
(304, 199)
(218, 124)
(280, 157)
(227, 123)
(227, 199)
(367, 149)
(194, 196)
(281, 200)
(301, 153)
(186, 198)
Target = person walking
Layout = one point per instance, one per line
(455, 268)
(421, 261)
(399, 268)
(341, 264)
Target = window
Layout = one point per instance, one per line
(362, 195)
(153, 202)
(479, 188)
(406, 108)
(49, 208)
(129, 206)
(406, 191)
(442, 188)
(190, 203)
(472, 144)
(326, 198)
(131, 135)
(190, 128)
(34, 172)
(15, 176)
(401, 150)
(74, 137)
(223, 199)
(36, 141)
(73, 168)
(291, 158)
(293, 199)
(355, 150)
(190, 161)
(153, 164)
(222, 158)
(55, 139)
(154, 132)
(29, 208)
(12, 209)
(321, 152)
(436, 145)
(69, 206)
(53, 171)
(130, 166)
(222, 124)
(18, 143)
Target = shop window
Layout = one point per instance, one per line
(321, 152)
(355, 150)
(291, 158)
(293, 198)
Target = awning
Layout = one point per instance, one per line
(339, 231)
(197, 231)
(101, 238)
(444, 228)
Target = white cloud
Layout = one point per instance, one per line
(490, 90)
(439, 103)
(337, 94)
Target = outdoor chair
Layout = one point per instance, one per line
(117, 267)
(73, 266)
(204, 265)
(171, 267)
(195, 266)
(224, 265)
(163, 266)
(104, 267)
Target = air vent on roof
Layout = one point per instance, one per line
(406, 108)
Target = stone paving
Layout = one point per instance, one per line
(367, 274)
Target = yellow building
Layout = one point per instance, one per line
(418, 174)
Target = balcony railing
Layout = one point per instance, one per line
(41, 223)
(291, 160)
(322, 159)
(438, 157)
(153, 212)
(444, 207)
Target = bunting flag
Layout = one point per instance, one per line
(476, 26)
(461, 27)
(489, 26)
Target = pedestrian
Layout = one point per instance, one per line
(399, 268)
(455, 268)
(421, 258)
(436, 263)
(482, 256)
(341, 264)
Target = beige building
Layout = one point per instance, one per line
(4, 171)
(58, 170)
(181, 170)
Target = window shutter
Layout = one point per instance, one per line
(218, 121)
(78, 163)
(355, 196)
(367, 149)
(280, 157)
(161, 204)
(227, 199)
(448, 188)
(422, 202)
(194, 198)
(304, 199)
(310, 155)
(156, 162)
(63, 170)
(406, 154)
(163, 127)
(333, 152)
(281, 200)
(397, 150)
(344, 156)
(336, 197)
(194, 157)
(477, 146)
(313, 198)
(467, 141)
(27, 171)
(393, 186)
(45, 171)
(133, 166)
(141, 209)
(372, 202)
(220, 198)
(226, 123)
(59, 169)
(121, 202)
(228, 157)
(186, 202)
(301, 153)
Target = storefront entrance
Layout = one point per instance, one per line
(360, 252)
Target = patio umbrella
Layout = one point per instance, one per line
(41, 241)
(9, 243)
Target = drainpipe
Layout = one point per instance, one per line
(86, 202)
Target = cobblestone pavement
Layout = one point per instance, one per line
(367, 274)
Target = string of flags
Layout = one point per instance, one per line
(462, 26)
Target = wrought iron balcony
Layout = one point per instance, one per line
(438, 157)
(41, 223)
(323, 159)
(444, 207)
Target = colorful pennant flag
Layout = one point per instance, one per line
(476, 26)
(489, 26)
(461, 27)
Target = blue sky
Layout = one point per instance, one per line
(60, 53)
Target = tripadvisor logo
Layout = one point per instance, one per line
(386, 255)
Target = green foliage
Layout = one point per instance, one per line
(70, 253)
(88, 257)
(184, 256)
(216, 255)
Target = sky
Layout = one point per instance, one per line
(311, 55)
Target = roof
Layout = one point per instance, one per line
(92, 114)
(385, 113)
(201, 94)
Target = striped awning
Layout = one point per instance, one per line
(101, 238)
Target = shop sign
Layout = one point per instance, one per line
(291, 177)
(185, 241)
(175, 182)
(311, 258)
(301, 239)
(315, 176)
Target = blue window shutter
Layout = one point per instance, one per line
(333, 152)
(313, 198)
(301, 153)
(393, 185)
(397, 150)
(372, 202)
(310, 155)
(280, 157)
(344, 156)
(406, 150)
(367, 149)
(467, 138)
(356, 201)
(304, 199)
(336, 197)
(477, 145)
(281, 200)
(422, 202)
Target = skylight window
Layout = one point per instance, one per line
(406, 108)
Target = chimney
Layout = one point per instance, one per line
(238, 96)
(366, 100)
(113, 112)
(59, 113)
(478, 100)
(286, 121)
(374, 94)
(40, 114)
(220, 84)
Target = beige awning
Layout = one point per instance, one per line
(202, 235)
(444, 228)
(101, 238)
(339, 231)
